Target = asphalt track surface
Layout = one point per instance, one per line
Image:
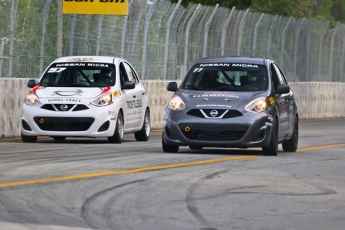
(92, 184)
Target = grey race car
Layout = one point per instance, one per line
(235, 102)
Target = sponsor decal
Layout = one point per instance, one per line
(215, 64)
(134, 104)
(245, 65)
(217, 94)
(116, 93)
(228, 65)
(64, 100)
(67, 93)
(91, 64)
(80, 58)
(213, 105)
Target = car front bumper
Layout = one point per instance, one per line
(93, 122)
(249, 130)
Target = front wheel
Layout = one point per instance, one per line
(272, 148)
(28, 139)
(144, 133)
(119, 132)
(292, 144)
(169, 148)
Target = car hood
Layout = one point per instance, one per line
(69, 92)
(218, 99)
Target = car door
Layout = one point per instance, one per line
(136, 103)
(128, 109)
(283, 101)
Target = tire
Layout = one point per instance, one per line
(57, 138)
(144, 133)
(119, 132)
(272, 148)
(195, 147)
(28, 139)
(169, 148)
(292, 144)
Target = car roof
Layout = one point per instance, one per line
(103, 59)
(235, 59)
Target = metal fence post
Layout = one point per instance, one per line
(282, 48)
(13, 16)
(99, 32)
(240, 31)
(256, 29)
(166, 47)
(59, 30)
(269, 36)
(224, 30)
(296, 46)
(71, 34)
(43, 35)
(146, 28)
(307, 64)
(189, 25)
(207, 27)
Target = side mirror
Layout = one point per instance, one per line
(172, 86)
(31, 83)
(128, 85)
(282, 89)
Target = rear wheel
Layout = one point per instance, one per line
(169, 148)
(59, 138)
(144, 133)
(272, 148)
(292, 144)
(119, 132)
(30, 139)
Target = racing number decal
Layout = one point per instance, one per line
(197, 70)
(56, 70)
(134, 104)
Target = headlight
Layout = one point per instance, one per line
(176, 103)
(31, 99)
(257, 105)
(103, 100)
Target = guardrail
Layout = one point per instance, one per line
(315, 100)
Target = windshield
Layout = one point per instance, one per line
(226, 77)
(80, 74)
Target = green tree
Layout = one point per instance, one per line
(330, 10)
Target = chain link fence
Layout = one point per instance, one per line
(163, 39)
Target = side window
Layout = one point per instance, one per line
(275, 78)
(280, 75)
(131, 73)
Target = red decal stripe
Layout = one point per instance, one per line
(36, 88)
(106, 89)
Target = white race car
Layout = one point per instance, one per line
(86, 96)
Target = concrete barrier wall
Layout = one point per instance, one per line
(315, 100)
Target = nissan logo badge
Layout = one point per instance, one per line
(64, 107)
(214, 113)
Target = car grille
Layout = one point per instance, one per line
(213, 132)
(64, 123)
(214, 113)
(64, 107)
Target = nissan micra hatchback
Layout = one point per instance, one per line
(86, 96)
(235, 102)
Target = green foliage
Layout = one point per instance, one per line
(330, 10)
